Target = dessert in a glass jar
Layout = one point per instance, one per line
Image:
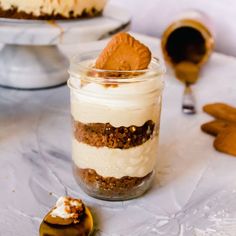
(115, 106)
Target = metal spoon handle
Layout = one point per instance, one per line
(188, 103)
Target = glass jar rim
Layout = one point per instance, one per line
(77, 68)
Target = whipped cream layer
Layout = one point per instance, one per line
(134, 162)
(49, 7)
(125, 105)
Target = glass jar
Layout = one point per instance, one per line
(190, 37)
(116, 118)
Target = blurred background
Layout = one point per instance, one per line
(153, 16)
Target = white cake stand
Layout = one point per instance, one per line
(30, 58)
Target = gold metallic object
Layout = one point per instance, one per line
(84, 227)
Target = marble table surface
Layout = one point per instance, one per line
(194, 191)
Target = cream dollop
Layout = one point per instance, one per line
(63, 208)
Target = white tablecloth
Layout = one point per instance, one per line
(195, 188)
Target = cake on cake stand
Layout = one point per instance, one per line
(30, 58)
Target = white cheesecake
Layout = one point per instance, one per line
(50, 9)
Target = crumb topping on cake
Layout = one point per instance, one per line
(50, 9)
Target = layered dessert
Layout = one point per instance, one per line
(116, 125)
(50, 9)
(69, 217)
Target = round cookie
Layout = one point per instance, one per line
(226, 141)
(124, 53)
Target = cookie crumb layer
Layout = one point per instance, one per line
(110, 187)
(105, 135)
